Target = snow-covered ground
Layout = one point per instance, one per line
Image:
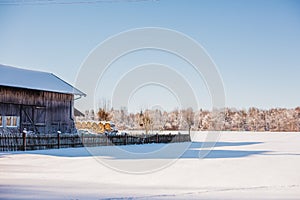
(241, 166)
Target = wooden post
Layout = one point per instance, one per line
(82, 139)
(58, 140)
(24, 140)
(21, 118)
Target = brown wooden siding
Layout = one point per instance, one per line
(40, 111)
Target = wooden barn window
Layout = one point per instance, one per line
(11, 121)
(8, 121)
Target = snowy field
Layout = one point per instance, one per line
(241, 166)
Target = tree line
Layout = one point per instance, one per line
(228, 119)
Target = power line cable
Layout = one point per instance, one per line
(53, 2)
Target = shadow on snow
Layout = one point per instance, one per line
(152, 151)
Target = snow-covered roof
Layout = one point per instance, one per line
(35, 80)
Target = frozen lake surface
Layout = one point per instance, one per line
(240, 166)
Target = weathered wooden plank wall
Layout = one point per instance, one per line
(41, 111)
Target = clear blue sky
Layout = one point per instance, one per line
(255, 44)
